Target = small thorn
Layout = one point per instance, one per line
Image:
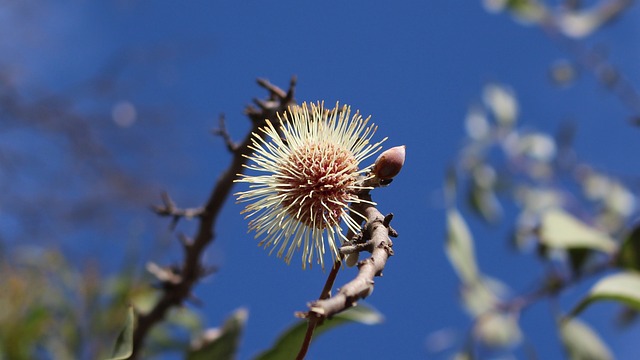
(387, 220)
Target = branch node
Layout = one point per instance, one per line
(392, 232)
(224, 134)
(387, 219)
(167, 276)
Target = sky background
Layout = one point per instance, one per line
(415, 66)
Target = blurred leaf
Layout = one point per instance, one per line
(476, 123)
(288, 344)
(527, 10)
(578, 24)
(482, 197)
(463, 355)
(185, 318)
(485, 203)
(221, 344)
(124, 343)
(482, 295)
(498, 330)
(582, 343)
(502, 103)
(537, 146)
(629, 256)
(577, 258)
(623, 287)
(459, 247)
(560, 230)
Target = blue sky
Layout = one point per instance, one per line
(415, 66)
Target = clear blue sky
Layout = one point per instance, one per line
(415, 66)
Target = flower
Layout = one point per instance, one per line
(309, 174)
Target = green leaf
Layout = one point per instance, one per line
(629, 257)
(222, 343)
(560, 230)
(124, 343)
(288, 344)
(581, 342)
(529, 11)
(622, 287)
(459, 247)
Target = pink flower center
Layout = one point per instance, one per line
(316, 181)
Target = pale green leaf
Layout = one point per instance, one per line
(498, 330)
(578, 24)
(623, 287)
(459, 247)
(502, 102)
(581, 342)
(560, 230)
(476, 123)
(222, 343)
(288, 344)
(124, 343)
(482, 295)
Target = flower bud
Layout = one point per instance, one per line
(389, 163)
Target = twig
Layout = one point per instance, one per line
(377, 227)
(222, 132)
(175, 293)
(169, 208)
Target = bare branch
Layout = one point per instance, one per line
(192, 268)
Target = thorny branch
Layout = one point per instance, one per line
(377, 233)
(177, 288)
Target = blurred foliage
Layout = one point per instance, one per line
(48, 309)
(574, 218)
(288, 342)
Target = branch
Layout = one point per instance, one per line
(377, 230)
(179, 289)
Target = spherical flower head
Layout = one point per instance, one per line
(309, 174)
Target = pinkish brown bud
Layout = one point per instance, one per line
(389, 163)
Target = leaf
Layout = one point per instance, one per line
(581, 342)
(288, 344)
(577, 259)
(502, 102)
(482, 197)
(222, 343)
(498, 330)
(459, 247)
(629, 256)
(578, 24)
(560, 230)
(528, 11)
(124, 343)
(623, 287)
(482, 295)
